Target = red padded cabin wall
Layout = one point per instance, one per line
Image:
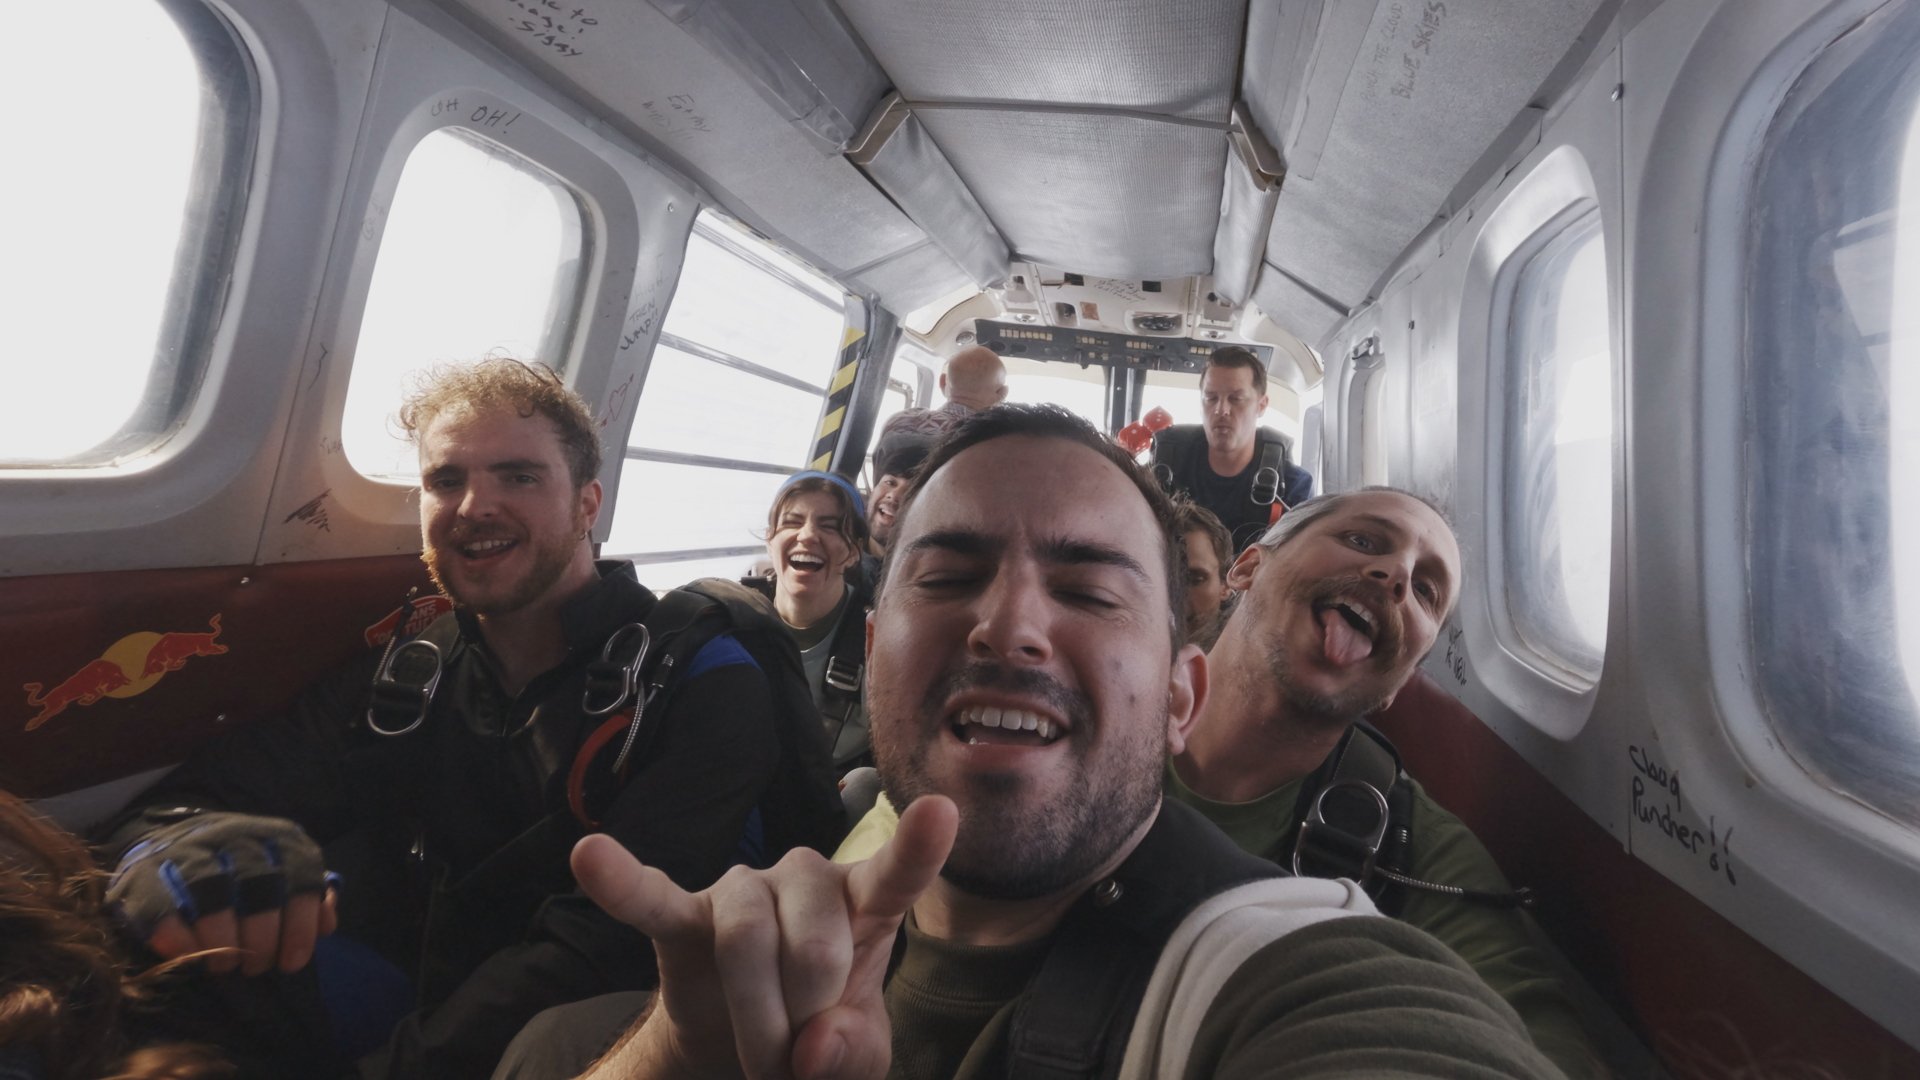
(1710, 1000)
(109, 674)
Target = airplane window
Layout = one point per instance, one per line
(764, 314)
(480, 255)
(678, 522)
(1558, 505)
(1078, 390)
(1832, 525)
(688, 397)
(130, 222)
(731, 402)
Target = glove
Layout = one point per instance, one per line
(210, 862)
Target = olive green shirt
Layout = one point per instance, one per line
(1359, 996)
(1500, 944)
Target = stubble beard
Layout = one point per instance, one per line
(1008, 848)
(550, 562)
(1316, 709)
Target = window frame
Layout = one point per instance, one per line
(713, 226)
(1555, 192)
(1726, 467)
(1507, 368)
(560, 342)
(211, 231)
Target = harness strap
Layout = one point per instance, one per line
(1345, 817)
(1266, 478)
(590, 749)
(1356, 821)
(403, 685)
(663, 643)
(1074, 1019)
(846, 660)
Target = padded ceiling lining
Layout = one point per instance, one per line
(681, 103)
(1420, 104)
(1175, 58)
(911, 279)
(1101, 195)
(1108, 195)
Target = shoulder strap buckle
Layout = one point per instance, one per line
(1350, 852)
(844, 675)
(612, 681)
(403, 687)
(1266, 479)
(1266, 485)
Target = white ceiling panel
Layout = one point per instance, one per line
(1107, 196)
(1174, 58)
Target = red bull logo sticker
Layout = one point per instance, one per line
(129, 667)
(409, 619)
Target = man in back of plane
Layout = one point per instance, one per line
(1230, 464)
(465, 804)
(1027, 679)
(973, 379)
(1339, 603)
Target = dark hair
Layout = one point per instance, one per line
(501, 382)
(1237, 356)
(65, 988)
(853, 526)
(1190, 516)
(1054, 422)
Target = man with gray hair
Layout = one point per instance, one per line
(1340, 600)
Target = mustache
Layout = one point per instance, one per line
(1389, 623)
(1075, 706)
(465, 531)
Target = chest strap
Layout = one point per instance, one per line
(636, 665)
(1075, 1016)
(1356, 822)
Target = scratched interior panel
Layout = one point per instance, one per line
(666, 90)
(110, 674)
(1432, 86)
(1698, 989)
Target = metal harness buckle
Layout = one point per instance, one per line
(1331, 842)
(1266, 485)
(397, 689)
(842, 676)
(613, 678)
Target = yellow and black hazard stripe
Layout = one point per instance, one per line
(839, 397)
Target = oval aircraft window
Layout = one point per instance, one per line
(481, 255)
(1833, 380)
(1558, 504)
(117, 235)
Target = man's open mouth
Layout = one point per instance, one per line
(489, 548)
(979, 724)
(1348, 630)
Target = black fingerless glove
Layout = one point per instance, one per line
(211, 862)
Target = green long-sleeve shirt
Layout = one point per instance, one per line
(1497, 943)
(1357, 996)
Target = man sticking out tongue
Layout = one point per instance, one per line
(1340, 601)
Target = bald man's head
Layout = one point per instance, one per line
(975, 377)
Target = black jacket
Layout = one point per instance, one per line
(1182, 449)
(481, 787)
